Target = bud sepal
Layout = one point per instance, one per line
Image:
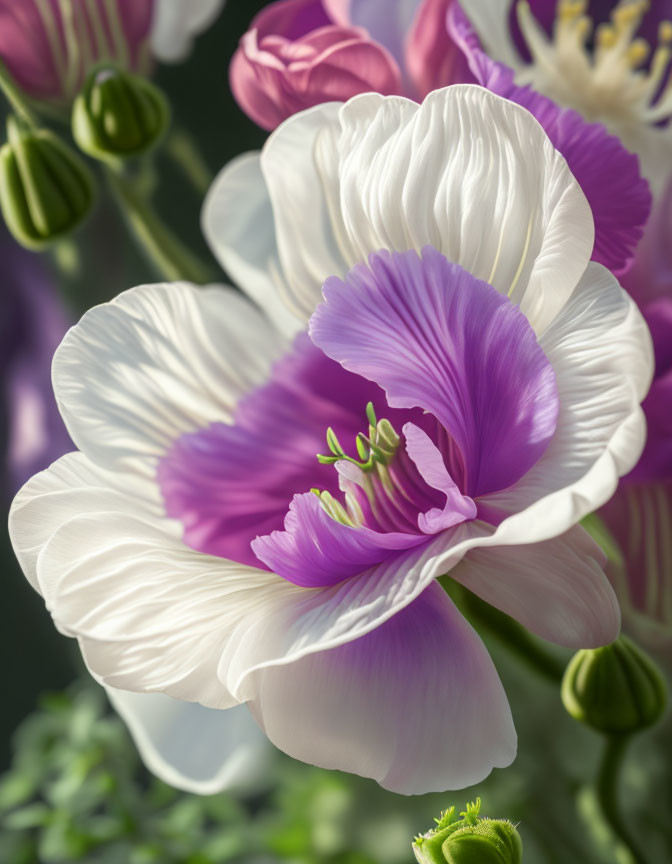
(46, 190)
(119, 115)
(469, 839)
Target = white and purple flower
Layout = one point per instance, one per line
(262, 505)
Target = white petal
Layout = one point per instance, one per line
(71, 486)
(600, 349)
(177, 22)
(303, 185)
(150, 614)
(468, 172)
(238, 224)
(490, 19)
(156, 362)
(196, 749)
(475, 176)
(557, 589)
(416, 704)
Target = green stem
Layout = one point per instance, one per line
(15, 96)
(166, 251)
(607, 788)
(510, 633)
(183, 150)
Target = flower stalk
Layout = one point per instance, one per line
(162, 247)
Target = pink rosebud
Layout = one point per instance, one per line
(49, 45)
(295, 57)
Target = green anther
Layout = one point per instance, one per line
(334, 444)
(371, 415)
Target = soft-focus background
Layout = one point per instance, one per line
(73, 788)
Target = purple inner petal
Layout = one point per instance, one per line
(436, 338)
(315, 550)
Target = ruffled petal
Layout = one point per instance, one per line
(506, 209)
(237, 221)
(600, 349)
(175, 25)
(436, 338)
(608, 174)
(557, 589)
(315, 550)
(520, 223)
(416, 704)
(199, 750)
(158, 361)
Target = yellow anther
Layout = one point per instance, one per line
(629, 13)
(665, 33)
(568, 10)
(638, 52)
(606, 36)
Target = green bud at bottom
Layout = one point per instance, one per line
(469, 840)
(118, 115)
(46, 190)
(615, 690)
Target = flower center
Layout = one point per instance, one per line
(383, 489)
(606, 73)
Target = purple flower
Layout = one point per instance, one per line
(33, 322)
(50, 45)
(441, 385)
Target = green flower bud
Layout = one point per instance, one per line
(615, 690)
(469, 840)
(46, 190)
(118, 115)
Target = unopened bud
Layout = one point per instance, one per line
(615, 690)
(46, 190)
(469, 840)
(118, 115)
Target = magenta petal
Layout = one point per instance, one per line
(608, 174)
(228, 484)
(314, 550)
(429, 462)
(433, 59)
(435, 337)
